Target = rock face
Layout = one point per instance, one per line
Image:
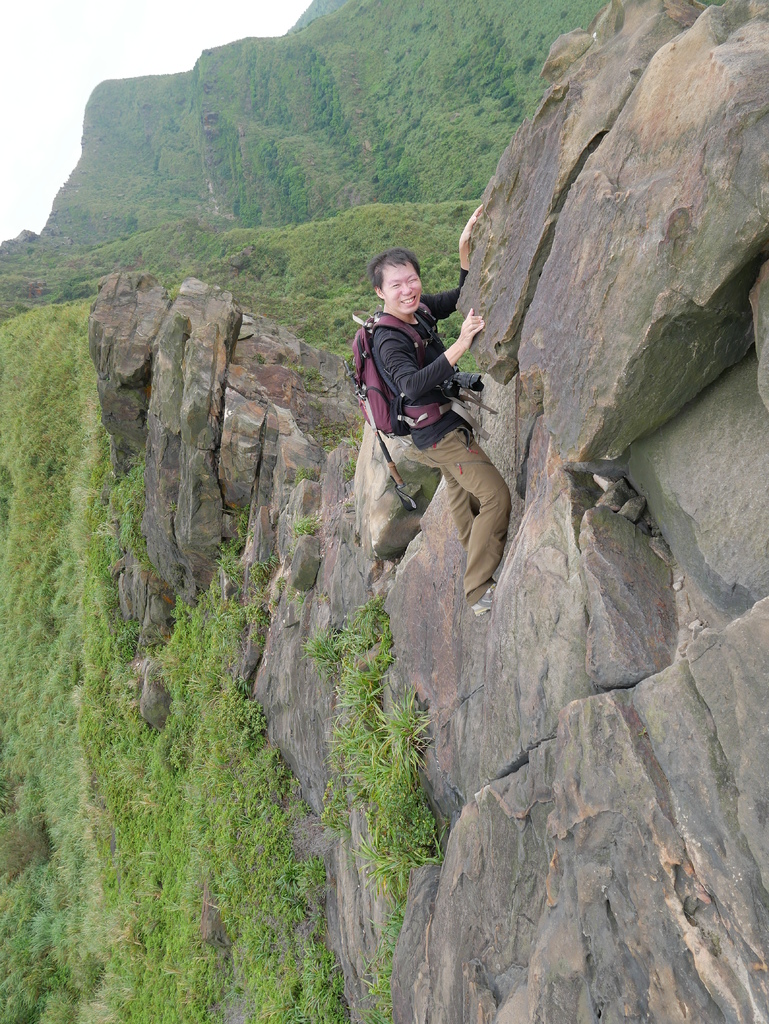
(668, 176)
(633, 624)
(124, 319)
(705, 475)
(385, 527)
(593, 76)
(597, 743)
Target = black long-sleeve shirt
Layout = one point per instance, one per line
(396, 353)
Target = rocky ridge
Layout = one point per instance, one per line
(597, 742)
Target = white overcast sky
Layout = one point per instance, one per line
(53, 54)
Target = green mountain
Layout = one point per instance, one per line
(316, 10)
(381, 103)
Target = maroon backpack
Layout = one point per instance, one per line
(378, 396)
(380, 401)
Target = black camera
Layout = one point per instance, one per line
(461, 379)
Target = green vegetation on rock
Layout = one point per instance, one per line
(377, 750)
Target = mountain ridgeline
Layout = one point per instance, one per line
(376, 103)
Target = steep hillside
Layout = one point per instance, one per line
(377, 103)
(308, 276)
(316, 10)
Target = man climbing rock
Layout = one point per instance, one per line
(478, 496)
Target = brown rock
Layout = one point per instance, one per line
(385, 527)
(667, 218)
(759, 301)
(522, 203)
(633, 625)
(535, 655)
(124, 318)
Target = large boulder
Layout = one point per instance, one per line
(643, 300)
(705, 476)
(384, 525)
(593, 73)
(124, 319)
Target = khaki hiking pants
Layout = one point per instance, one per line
(480, 505)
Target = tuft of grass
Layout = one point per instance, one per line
(377, 750)
(307, 525)
(306, 473)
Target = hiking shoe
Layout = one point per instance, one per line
(483, 604)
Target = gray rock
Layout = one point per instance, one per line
(183, 513)
(298, 704)
(347, 575)
(155, 700)
(633, 625)
(705, 476)
(535, 655)
(305, 563)
(124, 318)
(617, 495)
(146, 599)
(410, 973)
(168, 347)
(522, 203)
(198, 520)
(730, 669)
(439, 649)
(241, 447)
(654, 907)
(295, 452)
(304, 503)
(260, 544)
(759, 301)
(655, 307)
(634, 508)
(490, 898)
(355, 915)
(385, 527)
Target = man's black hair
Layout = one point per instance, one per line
(391, 258)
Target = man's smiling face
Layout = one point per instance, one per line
(401, 291)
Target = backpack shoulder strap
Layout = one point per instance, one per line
(392, 322)
(425, 317)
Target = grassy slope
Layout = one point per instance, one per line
(374, 102)
(107, 829)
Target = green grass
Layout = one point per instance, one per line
(376, 753)
(109, 830)
(306, 525)
(310, 278)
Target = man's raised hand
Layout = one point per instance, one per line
(464, 239)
